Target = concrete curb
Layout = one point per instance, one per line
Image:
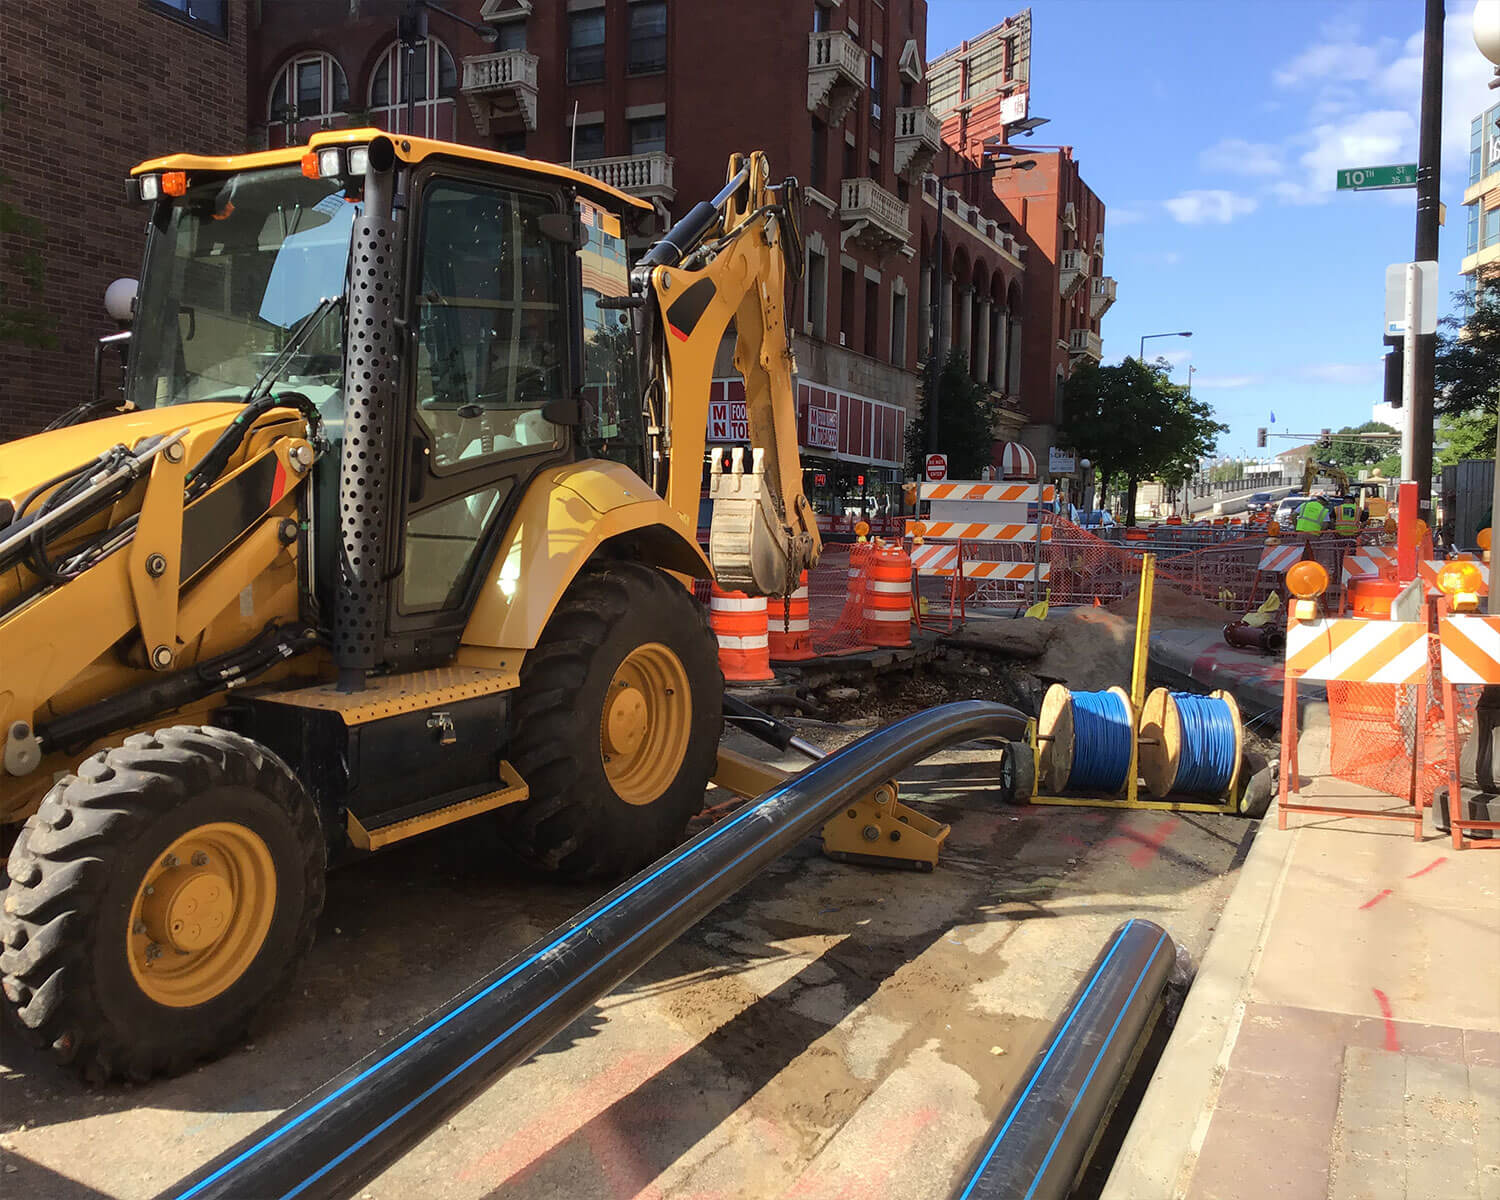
(1160, 1151)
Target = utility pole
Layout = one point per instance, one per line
(1429, 170)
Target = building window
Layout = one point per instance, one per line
(1473, 238)
(850, 162)
(818, 176)
(648, 37)
(877, 85)
(820, 17)
(511, 143)
(648, 134)
(872, 318)
(1491, 233)
(906, 93)
(207, 15)
(586, 46)
(428, 85)
(510, 35)
(898, 329)
(588, 141)
(817, 293)
(310, 90)
(846, 306)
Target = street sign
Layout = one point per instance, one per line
(937, 468)
(1395, 298)
(1370, 179)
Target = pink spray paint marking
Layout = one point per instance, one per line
(1437, 862)
(1376, 898)
(1392, 1042)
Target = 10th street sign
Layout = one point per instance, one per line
(1368, 179)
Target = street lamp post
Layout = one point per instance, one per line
(1148, 336)
(411, 32)
(936, 364)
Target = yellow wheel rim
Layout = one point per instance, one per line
(201, 914)
(646, 723)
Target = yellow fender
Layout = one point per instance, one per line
(566, 515)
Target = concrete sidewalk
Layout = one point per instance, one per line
(1342, 1037)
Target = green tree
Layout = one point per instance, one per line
(966, 419)
(1354, 454)
(1134, 422)
(1467, 378)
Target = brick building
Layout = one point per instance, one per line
(90, 88)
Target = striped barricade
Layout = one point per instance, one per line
(992, 493)
(1469, 647)
(1428, 568)
(1357, 651)
(1278, 559)
(1007, 572)
(934, 560)
(1367, 560)
(1350, 651)
(979, 531)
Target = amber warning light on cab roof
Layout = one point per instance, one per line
(326, 162)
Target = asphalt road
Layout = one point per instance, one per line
(831, 1031)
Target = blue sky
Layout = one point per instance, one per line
(1212, 131)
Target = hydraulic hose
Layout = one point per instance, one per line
(346, 1132)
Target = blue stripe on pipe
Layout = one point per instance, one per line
(1052, 1049)
(405, 1046)
(1087, 1079)
(478, 1054)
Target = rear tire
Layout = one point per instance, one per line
(102, 978)
(624, 645)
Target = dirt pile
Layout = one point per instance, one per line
(1090, 649)
(1171, 607)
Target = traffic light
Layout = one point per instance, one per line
(1260, 438)
(1394, 370)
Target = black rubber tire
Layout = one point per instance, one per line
(574, 824)
(74, 872)
(1017, 773)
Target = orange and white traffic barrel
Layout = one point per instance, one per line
(790, 624)
(888, 597)
(739, 624)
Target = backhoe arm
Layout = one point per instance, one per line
(729, 260)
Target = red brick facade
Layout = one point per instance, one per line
(90, 88)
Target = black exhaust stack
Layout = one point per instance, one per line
(372, 372)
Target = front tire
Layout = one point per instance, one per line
(158, 899)
(617, 724)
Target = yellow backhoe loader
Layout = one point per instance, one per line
(392, 530)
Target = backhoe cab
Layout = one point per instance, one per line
(391, 532)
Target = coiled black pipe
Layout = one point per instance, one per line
(347, 1131)
(1035, 1149)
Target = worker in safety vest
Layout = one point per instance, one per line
(1312, 516)
(1345, 517)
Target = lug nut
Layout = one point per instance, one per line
(138, 928)
(170, 861)
(200, 859)
(150, 891)
(153, 952)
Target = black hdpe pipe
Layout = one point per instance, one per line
(1038, 1145)
(334, 1141)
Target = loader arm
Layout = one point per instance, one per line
(729, 259)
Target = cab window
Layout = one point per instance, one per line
(611, 395)
(491, 325)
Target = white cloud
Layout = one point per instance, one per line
(1343, 373)
(1124, 216)
(1225, 382)
(1240, 157)
(1209, 206)
(1364, 139)
(1328, 61)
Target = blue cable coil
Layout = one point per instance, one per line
(1207, 761)
(1102, 735)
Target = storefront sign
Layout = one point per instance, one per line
(823, 428)
(1061, 462)
(727, 421)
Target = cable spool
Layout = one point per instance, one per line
(1085, 740)
(1190, 744)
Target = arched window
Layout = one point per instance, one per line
(308, 93)
(432, 80)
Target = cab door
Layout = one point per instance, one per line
(490, 320)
